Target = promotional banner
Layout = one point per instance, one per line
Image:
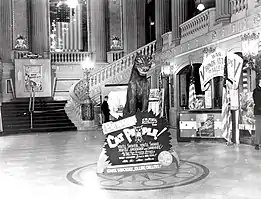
(234, 68)
(137, 139)
(212, 66)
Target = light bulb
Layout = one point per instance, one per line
(201, 7)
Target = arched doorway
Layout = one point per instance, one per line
(184, 78)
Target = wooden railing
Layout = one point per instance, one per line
(115, 72)
(198, 25)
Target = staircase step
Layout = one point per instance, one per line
(36, 125)
(39, 130)
(54, 113)
(49, 116)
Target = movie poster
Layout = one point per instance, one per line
(246, 112)
(33, 78)
(136, 139)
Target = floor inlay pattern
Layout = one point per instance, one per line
(188, 173)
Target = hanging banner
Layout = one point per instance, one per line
(212, 66)
(234, 68)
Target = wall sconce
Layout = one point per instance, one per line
(250, 48)
(167, 69)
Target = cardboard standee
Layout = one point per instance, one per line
(137, 143)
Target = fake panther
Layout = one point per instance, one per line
(138, 87)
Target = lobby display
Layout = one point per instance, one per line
(140, 140)
(33, 73)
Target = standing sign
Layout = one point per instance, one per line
(156, 101)
(137, 139)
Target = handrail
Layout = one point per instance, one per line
(197, 16)
(124, 57)
(31, 103)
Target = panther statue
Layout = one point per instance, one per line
(138, 87)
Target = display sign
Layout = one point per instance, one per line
(206, 125)
(212, 66)
(234, 68)
(156, 101)
(200, 124)
(33, 75)
(136, 139)
(246, 111)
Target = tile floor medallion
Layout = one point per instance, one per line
(188, 172)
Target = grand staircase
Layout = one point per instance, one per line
(49, 116)
(118, 72)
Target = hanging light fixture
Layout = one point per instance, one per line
(200, 6)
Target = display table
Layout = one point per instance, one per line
(206, 123)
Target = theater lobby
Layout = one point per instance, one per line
(62, 165)
(129, 99)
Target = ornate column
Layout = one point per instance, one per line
(141, 38)
(129, 26)
(40, 27)
(222, 11)
(161, 20)
(98, 29)
(179, 11)
(133, 24)
(6, 28)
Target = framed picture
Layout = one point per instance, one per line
(33, 77)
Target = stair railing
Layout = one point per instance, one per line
(115, 72)
(32, 103)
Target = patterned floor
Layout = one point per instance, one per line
(36, 166)
(188, 173)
